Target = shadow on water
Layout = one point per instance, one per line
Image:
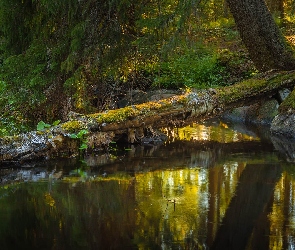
(209, 187)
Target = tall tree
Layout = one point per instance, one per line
(260, 34)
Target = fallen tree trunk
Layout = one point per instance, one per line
(98, 130)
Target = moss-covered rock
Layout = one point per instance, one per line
(284, 122)
(288, 105)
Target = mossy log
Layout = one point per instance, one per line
(136, 120)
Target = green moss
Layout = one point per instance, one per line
(39, 132)
(119, 115)
(73, 126)
(116, 115)
(249, 87)
(280, 78)
(289, 103)
(240, 90)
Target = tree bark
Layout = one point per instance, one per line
(266, 45)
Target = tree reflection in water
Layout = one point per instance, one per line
(188, 194)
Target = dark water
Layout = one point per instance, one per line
(210, 187)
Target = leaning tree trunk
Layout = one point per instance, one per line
(260, 34)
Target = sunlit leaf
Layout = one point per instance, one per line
(83, 146)
(42, 125)
(55, 123)
(81, 133)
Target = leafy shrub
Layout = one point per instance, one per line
(238, 65)
(192, 70)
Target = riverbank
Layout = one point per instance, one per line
(137, 123)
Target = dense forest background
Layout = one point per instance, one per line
(83, 55)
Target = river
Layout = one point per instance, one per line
(210, 186)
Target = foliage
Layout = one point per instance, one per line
(42, 125)
(81, 137)
(237, 65)
(191, 69)
(57, 56)
(26, 78)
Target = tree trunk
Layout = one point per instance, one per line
(260, 34)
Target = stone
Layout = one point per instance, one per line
(259, 114)
(284, 124)
(283, 94)
(267, 112)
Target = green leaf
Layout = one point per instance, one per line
(83, 146)
(73, 136)
(42, 125)
(55, 123)
(83, 162)
(81, 133)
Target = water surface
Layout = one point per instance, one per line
(209, 187)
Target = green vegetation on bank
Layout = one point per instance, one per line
(71, 55)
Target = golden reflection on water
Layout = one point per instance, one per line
(200, 132)
(282, 215)
(187, 201)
